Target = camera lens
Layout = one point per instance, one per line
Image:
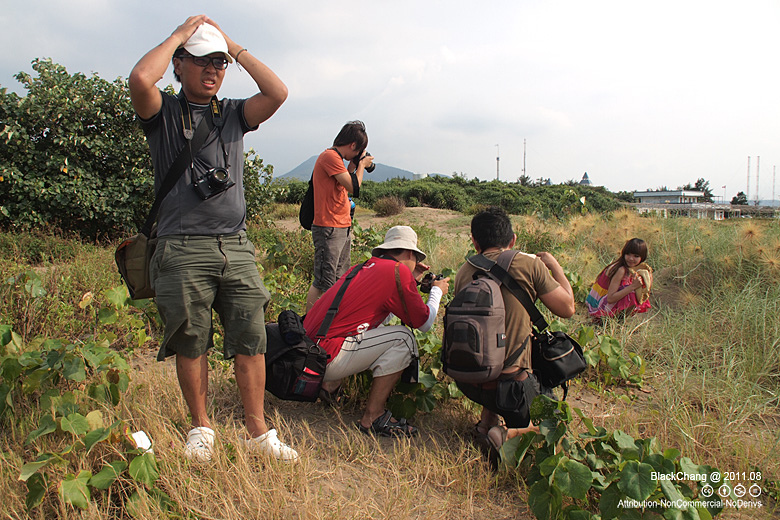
(218, 176)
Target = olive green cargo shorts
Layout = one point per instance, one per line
(192, 275)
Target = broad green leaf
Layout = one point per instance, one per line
(636, 480)
(73, 368)
(543, 408)
(5, 334)
(74, 490)
(47, 425)
(75, 423)
(548, 465)
(427, 380)
(106, 476)
(545, 500)
(671, 454)
(95, 419)
(117, 296)
(143, 469)
(573, 478)
(36, 491)
(660, 464)
(31, 468)
(575, 513)
(623, 440)
(107, 316)
(95, 436)
(425, 402)
(513, 451)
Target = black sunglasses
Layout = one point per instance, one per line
(203, 61)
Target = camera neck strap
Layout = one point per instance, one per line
(183, 159)
(215, 108)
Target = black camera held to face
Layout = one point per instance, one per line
(213, 182)
(359, 157)
(427, 281)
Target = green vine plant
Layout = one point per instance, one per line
(58, 391)
(596, 474)
(609, 362)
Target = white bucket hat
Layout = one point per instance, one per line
(400, 237)
(205, 40)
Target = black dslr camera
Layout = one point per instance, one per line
(427, 282)
(213, 182)
(368, 168)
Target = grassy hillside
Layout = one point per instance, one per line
(705, 366)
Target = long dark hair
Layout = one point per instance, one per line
(635, 246)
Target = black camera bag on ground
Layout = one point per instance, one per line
(294, 364)
(556, 358)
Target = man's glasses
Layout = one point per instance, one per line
(203, 61)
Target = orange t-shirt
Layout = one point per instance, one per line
(331, 199)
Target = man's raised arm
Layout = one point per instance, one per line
(150, 69)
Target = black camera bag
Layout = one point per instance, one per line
(293, 372)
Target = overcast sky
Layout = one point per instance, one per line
(637, 94)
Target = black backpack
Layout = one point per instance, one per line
(294, 364)
(306, 213)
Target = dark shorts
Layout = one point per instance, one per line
(331, 255)
(192, 275)
(509, 398)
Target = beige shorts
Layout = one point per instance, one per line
(384, 350)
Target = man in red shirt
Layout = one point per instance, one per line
(333, 184)
(386, 285)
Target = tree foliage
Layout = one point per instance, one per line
(701, 185)
(469, 196)
(73, 156)
(739, 199)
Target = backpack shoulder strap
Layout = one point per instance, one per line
(500, 274)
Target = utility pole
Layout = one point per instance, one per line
(747, 190)
(758, 163)
(497, 159)
(524, 157)
(774, 177)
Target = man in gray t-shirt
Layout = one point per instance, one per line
(203, 260)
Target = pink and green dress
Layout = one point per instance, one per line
(597, 298)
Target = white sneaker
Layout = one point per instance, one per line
(200, 444)
(269, 444)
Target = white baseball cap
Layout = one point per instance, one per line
(205, 40)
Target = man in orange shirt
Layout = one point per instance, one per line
(333, 184)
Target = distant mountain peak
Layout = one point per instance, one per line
(382, 172)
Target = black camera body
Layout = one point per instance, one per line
(368, 168)
(427, 282)
(213, 182)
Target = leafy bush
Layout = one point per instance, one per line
(389, 206)
(73, 156)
